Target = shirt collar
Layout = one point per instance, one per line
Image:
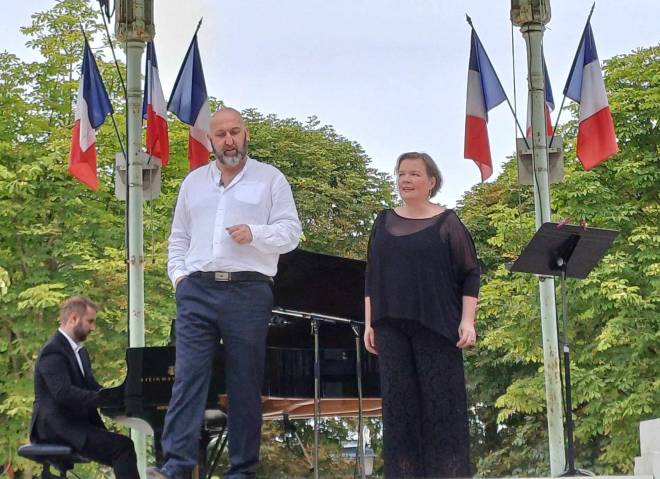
(216, 174)
(74, 345)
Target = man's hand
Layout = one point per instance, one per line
(179, 279)
(240, 233)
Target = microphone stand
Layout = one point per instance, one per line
(314, 323)
(355, 327)
(317, 393)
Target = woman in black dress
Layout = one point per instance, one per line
(420, 303)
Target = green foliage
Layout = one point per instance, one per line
(614, 322)
(58, 238)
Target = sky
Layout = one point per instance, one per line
(388, 74)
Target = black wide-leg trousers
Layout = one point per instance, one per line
(425, 423)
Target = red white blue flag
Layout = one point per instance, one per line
(154, 110)
(484, 92)
(549, 105)
(92, 108)
(596, 140)
(189, 102)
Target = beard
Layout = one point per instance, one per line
(229, 160)
(79, 333)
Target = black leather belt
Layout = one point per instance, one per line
(231, 276)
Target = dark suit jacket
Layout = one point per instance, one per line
(65, 401)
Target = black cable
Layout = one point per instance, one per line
(521, 232)
(104, 5)
(112, 115)
(126, 219)
(531, 113)
(557, 325)
(112, 48)
(506, 97)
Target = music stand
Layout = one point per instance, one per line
(565, 251)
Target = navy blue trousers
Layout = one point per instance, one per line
(207, 311)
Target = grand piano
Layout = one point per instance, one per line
(308, 286)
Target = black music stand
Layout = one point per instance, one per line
(565, 251)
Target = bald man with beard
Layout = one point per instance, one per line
(233, 218)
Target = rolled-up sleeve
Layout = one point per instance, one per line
(282, 232)
(179, 240)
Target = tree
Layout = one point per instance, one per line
(614, 322)
(58, 238)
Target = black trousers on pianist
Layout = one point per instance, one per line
(425, 423)
(112, 449)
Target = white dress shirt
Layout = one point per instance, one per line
(76, 349)
(258, 196)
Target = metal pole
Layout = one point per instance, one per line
(533, 34)
(317, 394)
(135, 218)
(358, 374)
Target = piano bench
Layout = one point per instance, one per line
(59, 456)
(215, 420)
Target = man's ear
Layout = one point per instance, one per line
(71, 319)
(247, 134)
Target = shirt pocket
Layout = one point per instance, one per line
(249, 192)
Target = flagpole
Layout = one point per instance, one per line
(506, 97)
(532, 16)
(134, 179)
(199, 24)
(134, 27)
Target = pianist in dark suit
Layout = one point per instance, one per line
(67, 395)
(420, 304)
(233, 218)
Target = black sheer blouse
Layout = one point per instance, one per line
(420, 269)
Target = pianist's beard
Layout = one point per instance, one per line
(80, 332)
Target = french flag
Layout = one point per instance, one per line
(596, 140)
(92, 108)
(549, 106)
(484, 92)
(189, 102)
(154, 109)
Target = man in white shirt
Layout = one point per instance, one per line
(233, 218)
(67, 395)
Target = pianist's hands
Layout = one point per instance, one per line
(110, 397)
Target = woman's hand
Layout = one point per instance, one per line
(370, 339)
(467, 335)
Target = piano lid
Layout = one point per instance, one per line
(320, 283)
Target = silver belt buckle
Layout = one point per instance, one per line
(221, 276)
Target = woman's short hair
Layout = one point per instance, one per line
(431, 168)
(76, 304)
